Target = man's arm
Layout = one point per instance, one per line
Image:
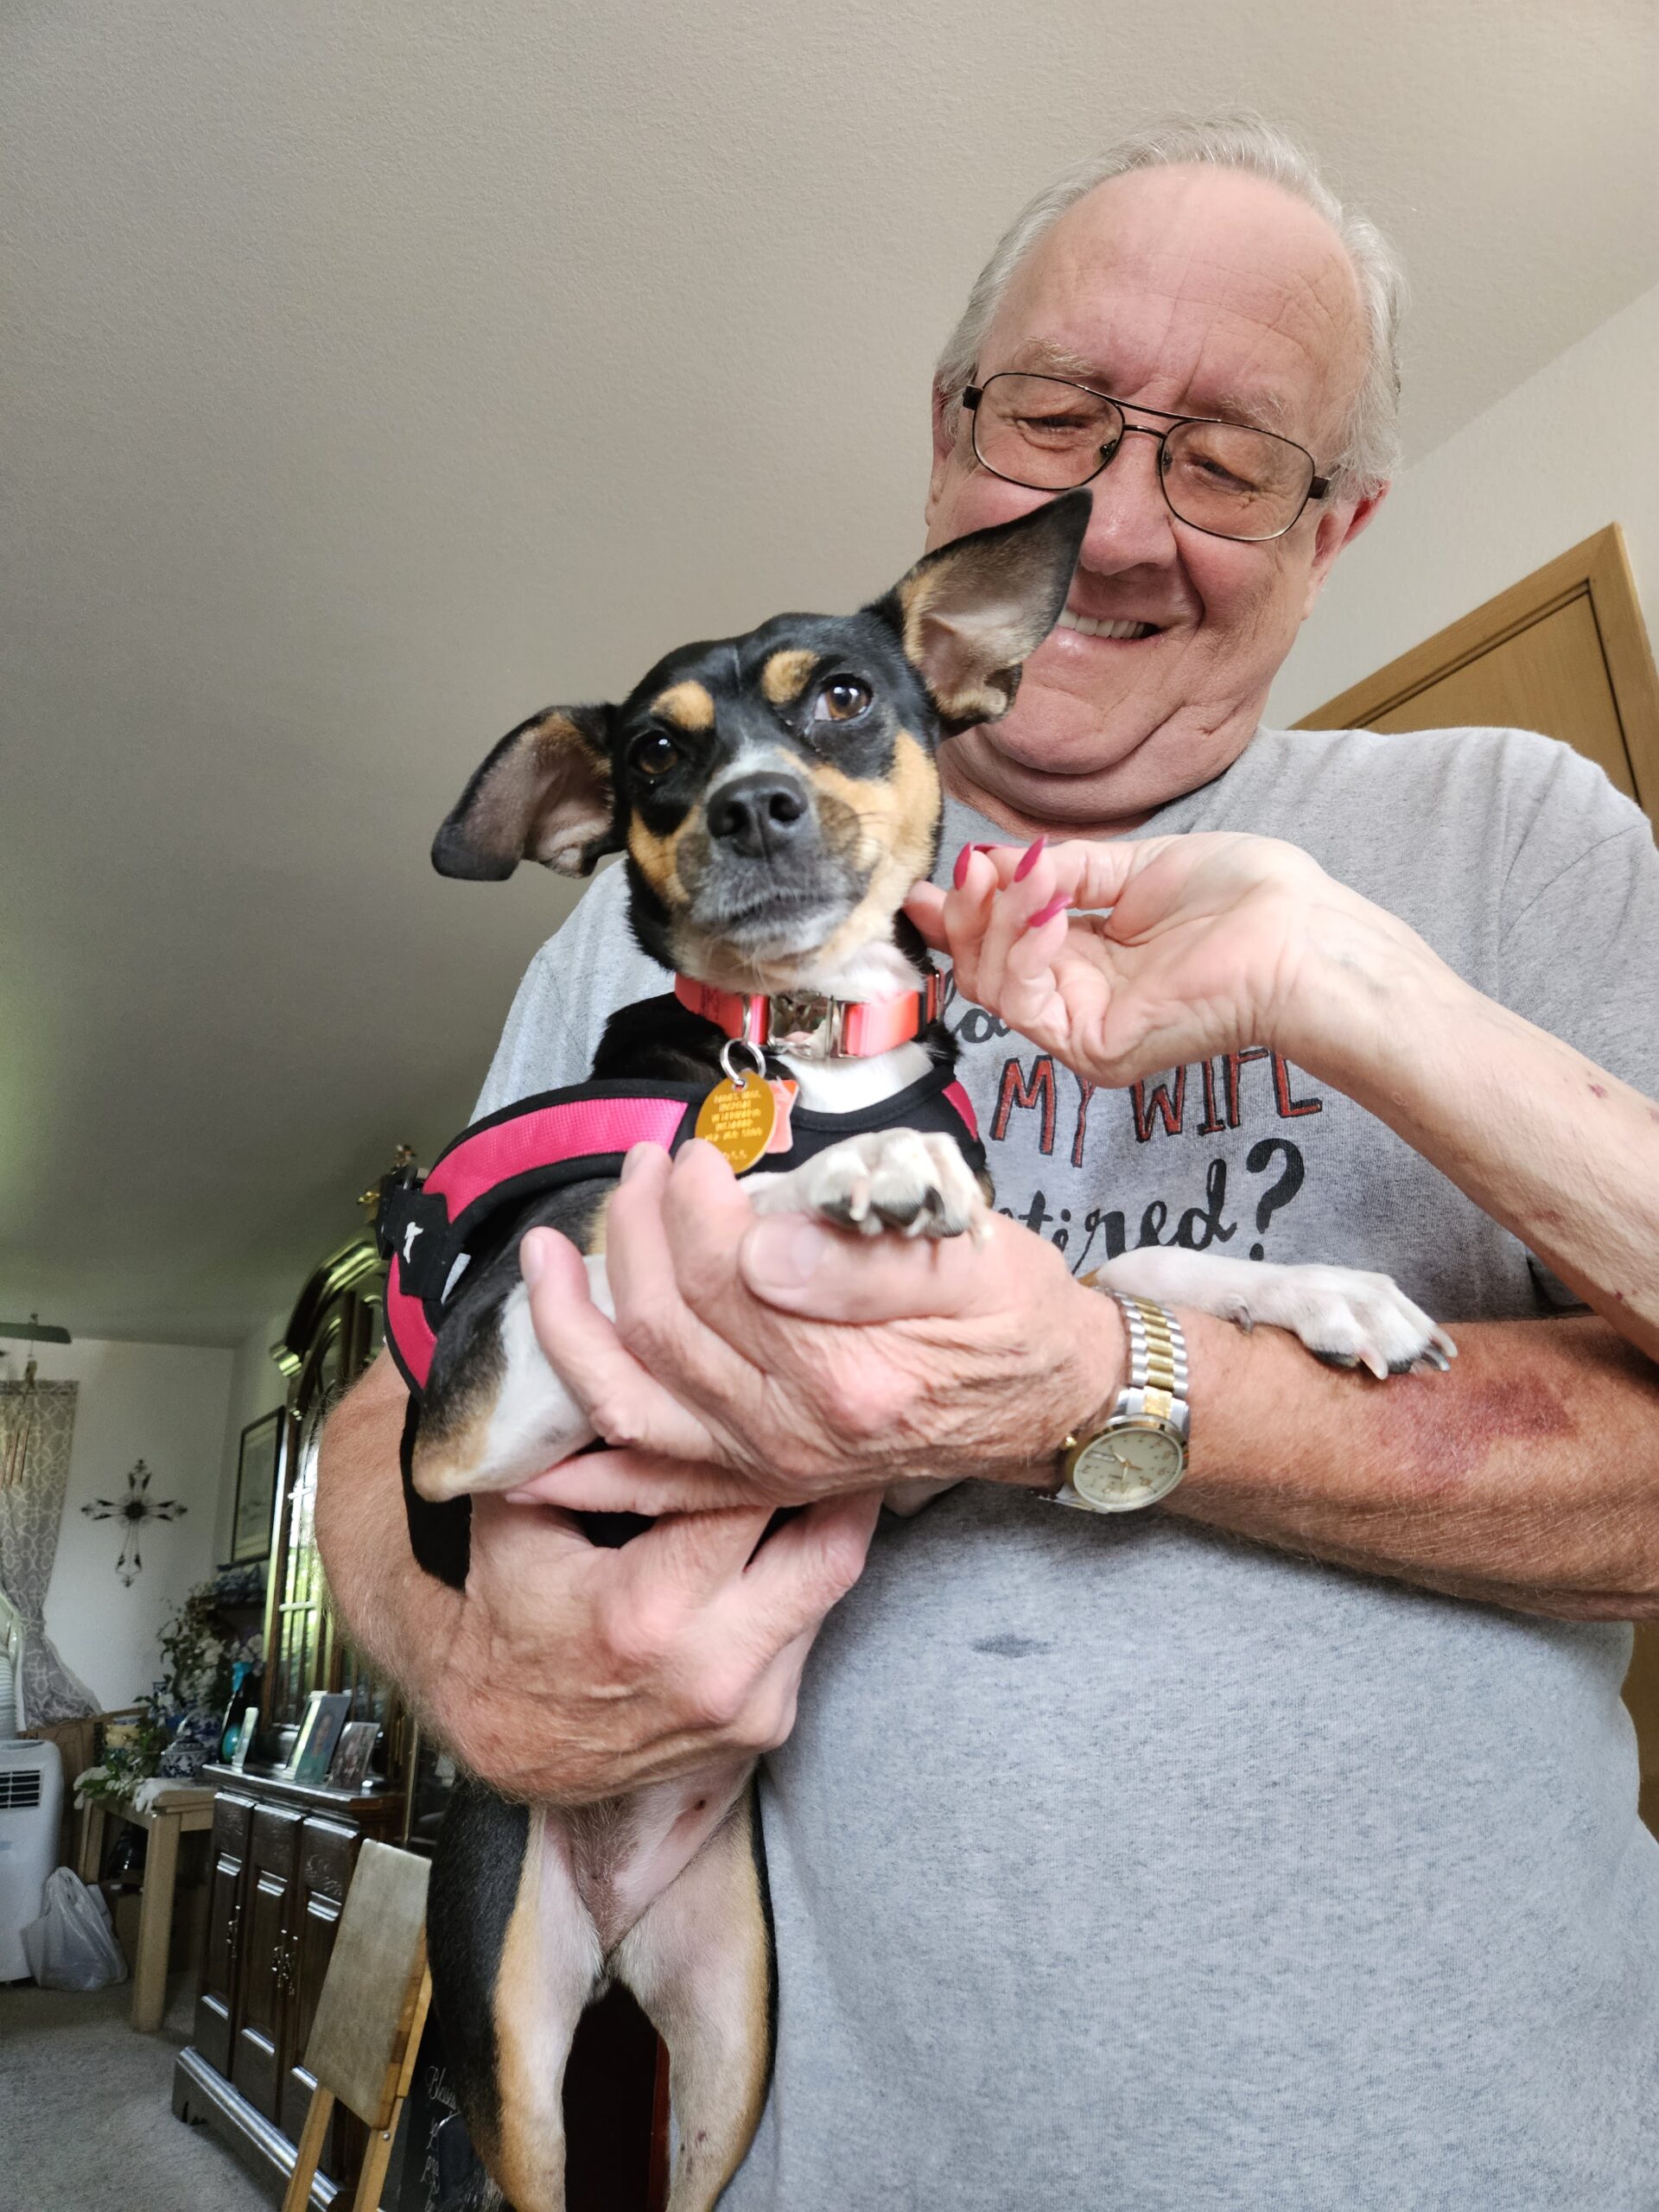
(1555, 1148)
(1213, 942)
(564, 1673)
(1528, 1476)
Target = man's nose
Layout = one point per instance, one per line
(1131, 525)
(760, 814)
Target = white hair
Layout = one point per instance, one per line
(1370, 437)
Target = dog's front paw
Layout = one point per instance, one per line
(887, 1178)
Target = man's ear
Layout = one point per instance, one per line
(969, 613)
(545, 794)
(1334, 532)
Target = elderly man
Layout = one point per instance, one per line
(1117, 1860)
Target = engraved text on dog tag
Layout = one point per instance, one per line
(736, 1118)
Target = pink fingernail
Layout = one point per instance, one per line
(959, 874)
(1033, 854)
(982, 849)
(1047, 913)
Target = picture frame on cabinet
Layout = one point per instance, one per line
(256, 1488)
(247, 1728)
(351, 1768)
(314, 1747)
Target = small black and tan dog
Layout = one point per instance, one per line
(776, 796)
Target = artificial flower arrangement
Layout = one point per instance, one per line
(179, 1725)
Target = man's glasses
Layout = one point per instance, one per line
(1223, 478)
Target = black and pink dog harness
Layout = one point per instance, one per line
(433, 1229)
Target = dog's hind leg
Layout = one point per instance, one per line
(699, 1960)
(515, 1960)
(510, 1415)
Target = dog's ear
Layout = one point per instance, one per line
(969, 613)
(545, 794)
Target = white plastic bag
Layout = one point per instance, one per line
(72, 1945)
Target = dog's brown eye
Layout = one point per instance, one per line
(656, 754)
(841, 701)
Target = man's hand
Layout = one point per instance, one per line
(962, 1359)
(565, 1672)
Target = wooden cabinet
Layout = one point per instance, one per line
(260, 2012)
(334, 1331)
(283, 1856)
(233, 1817)
(284, 1852)
(328, 1854)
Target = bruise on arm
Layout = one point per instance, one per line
(1527, 1477)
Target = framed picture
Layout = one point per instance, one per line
(314, 1747)
(350, 1767)
(247, 1728)
(256, 1488)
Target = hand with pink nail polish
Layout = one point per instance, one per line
(1127, 956)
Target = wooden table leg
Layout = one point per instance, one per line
(155, 1923)
(92, 1842)
(297, 2196)
(372, 2174)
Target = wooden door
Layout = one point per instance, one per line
(327, 1855)
(258, 2049)
(1564, 652)
(216, 2002)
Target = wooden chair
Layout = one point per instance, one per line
(370, 2013)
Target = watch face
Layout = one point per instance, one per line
(1127, 1468)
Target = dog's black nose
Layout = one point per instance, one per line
(759, 816)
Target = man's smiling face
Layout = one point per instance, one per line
(1197, 291)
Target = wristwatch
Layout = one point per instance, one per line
(1138, 1454)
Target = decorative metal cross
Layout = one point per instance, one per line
(134, 1510)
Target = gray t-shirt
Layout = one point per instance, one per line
(1119, 1864)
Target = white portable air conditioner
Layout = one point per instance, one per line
(31, 1800)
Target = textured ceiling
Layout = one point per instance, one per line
(374, 376)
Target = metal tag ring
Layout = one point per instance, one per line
(735, 1045)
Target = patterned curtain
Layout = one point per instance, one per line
(31, 1509)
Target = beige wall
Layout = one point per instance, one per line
(1573, 448)
(257, 1385)
(165, 1404)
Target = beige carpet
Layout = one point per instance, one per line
(86, 2115)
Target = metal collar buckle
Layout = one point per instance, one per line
(805, 1023)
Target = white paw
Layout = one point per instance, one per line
(1344, 1316)
(887, 1178)
(1347, 1318)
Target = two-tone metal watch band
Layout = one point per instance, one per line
(1139, 1453)
(1157, 1364)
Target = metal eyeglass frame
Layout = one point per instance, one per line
(1317, 485)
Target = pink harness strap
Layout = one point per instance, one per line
(408, 1329)
(520, 1143)
(572, 1130)
(964, 1106)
